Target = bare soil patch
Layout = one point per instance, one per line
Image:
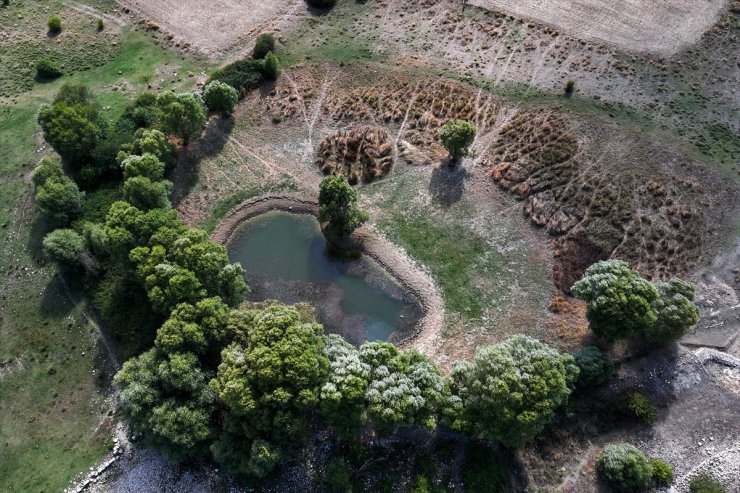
(653, 26)
(212, 26)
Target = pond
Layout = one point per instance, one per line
(286, 258)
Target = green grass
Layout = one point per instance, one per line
(455, 255)
(53, 422)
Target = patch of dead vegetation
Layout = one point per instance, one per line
(653, 219)
(362, 154)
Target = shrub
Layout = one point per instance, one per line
(570, 86)
(636, 405)
(624, 467)
(48, 69)
(6, 3)
(337, 476)
(242, 75)
(265, 44)
(321, 4)
(55, 24)
(662, 472)
(272, 66)
(220, 97)
(596, 367)
(101, 25)
(705, 483)
(64, 246)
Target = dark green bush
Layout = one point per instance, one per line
(48, 69)
(101, 25)
(570, 87)
(662, 472)
(625, 468)
(321, 4)
(337, 477)
(704, 483)
(272, 66)
(596, 367)
(265, 44)
(636, 405)
(242, 75)
(55, 24)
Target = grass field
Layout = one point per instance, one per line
(54, 420)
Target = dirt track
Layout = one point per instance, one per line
(653, 26)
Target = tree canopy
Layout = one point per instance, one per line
(511, 390)
(220, 97)
(182, 115)
(338, 206)
(457, 136)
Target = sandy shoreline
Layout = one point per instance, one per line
(392, 258)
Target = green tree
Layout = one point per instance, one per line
(457, 136)
(270, 383)
(625, 468)
(620, 302)
(272, 66)
(167, 398)
(343, 394)
(662, 472)
(675, 311)
(48, 69)
(595, 366)
(58, 197)
(220, 97)
(338, 206)
(152, 141)
(511, 390)
(64, 246)
(46, 169)
(69, 130)
(182, 115)
(146, 165)
(200, 328)
(147, 194)
(405, 388)
(265, 44)
(128, 227)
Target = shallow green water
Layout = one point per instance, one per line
(286, 258)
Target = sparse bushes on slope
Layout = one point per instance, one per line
(625, 468)
(265, 44)
(47, 69)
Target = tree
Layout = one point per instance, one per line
(620, 302)
(183, 115)
(128, 227)
(220, 97)
(147, 166)
(57, 196)
(338, 206)
(405, 388)
(675, 311)
(265, 44)
(64, 246)
(146, 194)
(624, 467)
(167, 398)
(269, 384)
(152, 141)
(272, 66)
(343, 394)
(457, 136)
(595, 366)
(511, 390)
(70, 130)
(200, 328)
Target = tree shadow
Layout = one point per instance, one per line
(185, 174)
(55, 302)
(34, 244)
(447, 184)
